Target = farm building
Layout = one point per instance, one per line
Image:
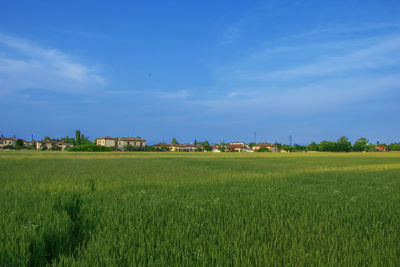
(184, 148)
(271, 147)
(382, 148)
(4, 141)
(238, 147)
(131, 141)
(120, 142)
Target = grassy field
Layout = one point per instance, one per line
(209, 209)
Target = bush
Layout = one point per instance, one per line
(8, 147)
(263, 149)
(394, 147)
(90, 147)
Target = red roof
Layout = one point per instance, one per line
(183, 145)
(265, 145)
(381, 148)
(107, 137)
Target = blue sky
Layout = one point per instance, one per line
(205, 70)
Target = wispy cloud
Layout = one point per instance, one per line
(180, 94)
(297, 75)
(24, 65)
(380, 55)
(299, 100)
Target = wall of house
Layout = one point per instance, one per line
(123, 143)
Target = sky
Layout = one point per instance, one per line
(201, 70)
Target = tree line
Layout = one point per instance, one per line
(340, 145)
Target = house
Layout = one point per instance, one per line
(382, 148)
(216, 148)
(238, 147)
(49, 144)
(162, 146)
(107, 141)
(121, 142)
(184, 148)
(4, 141)
(271, 147)
(130, 141)
(64, 146)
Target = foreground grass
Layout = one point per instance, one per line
(190, 209)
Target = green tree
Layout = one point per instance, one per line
(287, 148)
(394, 147)
(361, 145)
(343, 144)
(252, 144)
(19, 144)
(313, 147)
(174, 141)
(78, 137)
(207, 146)
(327, 146)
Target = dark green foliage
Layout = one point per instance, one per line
(343, 144)
(394, 147)
(263, 149)
(313, 147)
(19, 144)
(55, 148)
(206, 146)
(174, 141)
(361, 145)
(135, 148)
(90, 147)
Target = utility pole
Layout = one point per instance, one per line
(290, 140)
(255, 137)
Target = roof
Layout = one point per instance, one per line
(265, 145)
(162, 144)
(50, 141)
(8, 138)
(186, 145)
(131, 139)
(107, 138)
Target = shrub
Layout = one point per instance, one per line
(89, 147)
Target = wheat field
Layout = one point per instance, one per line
(199, 209)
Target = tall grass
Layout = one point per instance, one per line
(111, 209)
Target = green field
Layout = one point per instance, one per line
(208, 209)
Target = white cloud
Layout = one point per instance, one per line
(31, 66)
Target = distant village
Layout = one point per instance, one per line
(108, 143)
